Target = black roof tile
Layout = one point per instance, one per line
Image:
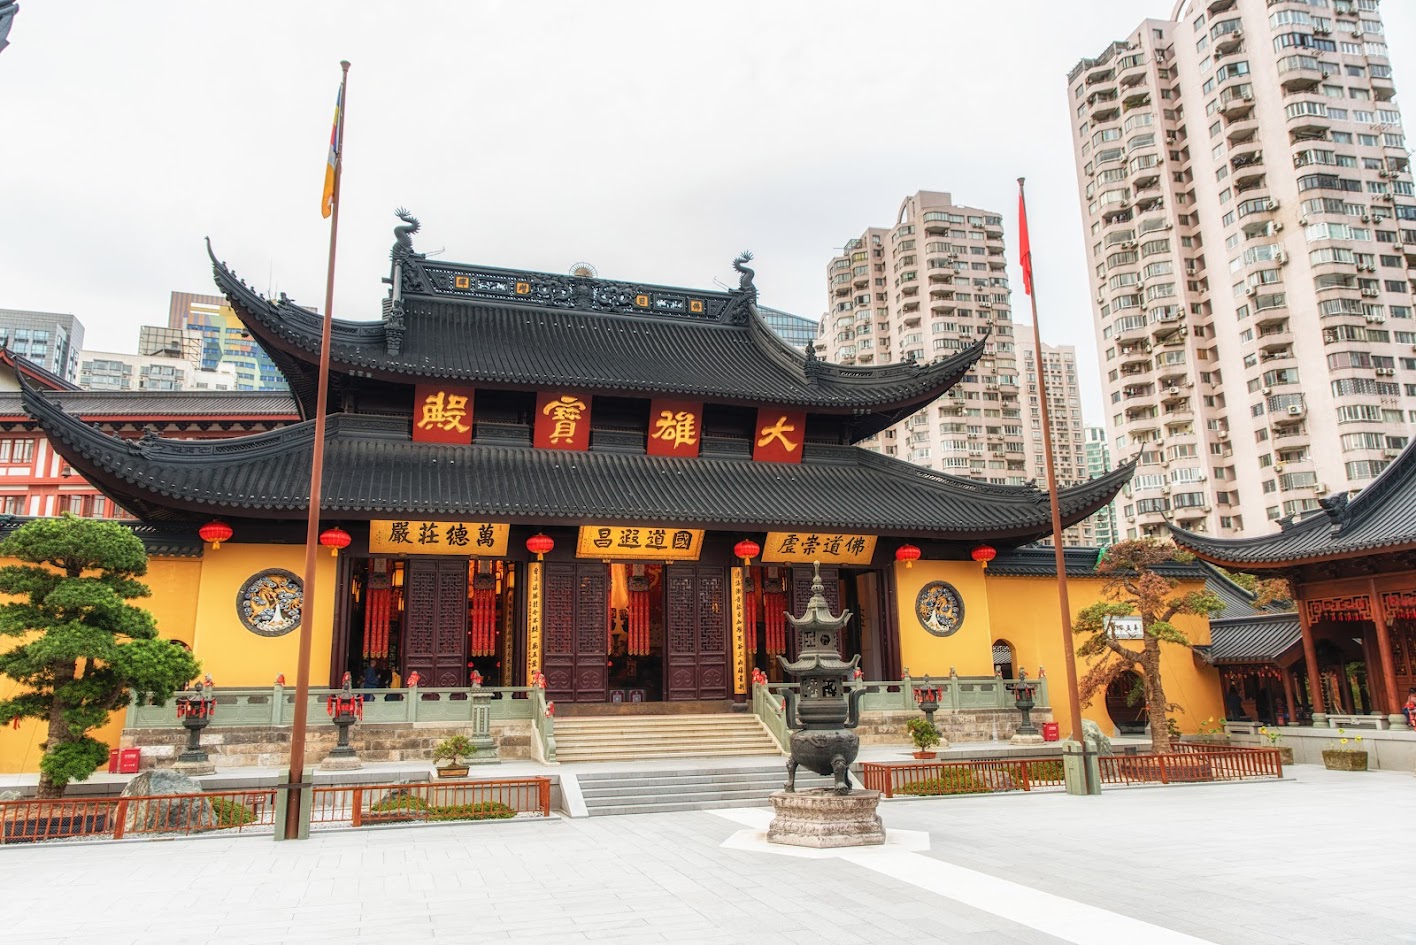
(373, 470)
(1381, 517)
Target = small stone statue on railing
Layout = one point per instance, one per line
(195, 713)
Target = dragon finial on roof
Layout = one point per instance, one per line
(403, 235)
(747, 274)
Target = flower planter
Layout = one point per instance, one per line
(452, 771)
(1341, 760)
(925, 754)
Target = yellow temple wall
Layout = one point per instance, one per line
(194, 600)
(235, 656)
(1023, 611)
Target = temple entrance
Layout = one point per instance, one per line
(697, 628)
(438, 617)
(576, 658)
(773, 590)
(1126, 703)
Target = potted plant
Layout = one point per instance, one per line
(924, 735)
(1347, 754)
(1285, 754)
(452, 750)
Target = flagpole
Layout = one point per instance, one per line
(312, 524)
(1069, 659)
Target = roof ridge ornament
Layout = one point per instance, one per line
(746, 274)
(403, 236)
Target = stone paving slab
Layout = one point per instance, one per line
(1320, 859)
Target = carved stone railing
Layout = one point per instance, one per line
(275, 707)
(956, 694)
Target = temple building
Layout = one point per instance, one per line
(621, 486)
(1352, 569)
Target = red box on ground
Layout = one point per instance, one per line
(112, 761)
(1050, 732)
(129, 759)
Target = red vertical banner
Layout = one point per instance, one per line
(780, 435)
(675, 427)
(562, 421)
(442, 413)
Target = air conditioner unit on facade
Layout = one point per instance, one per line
(1357, 34)
(1294, 410)
(1172, 391)
(1223, 434)
(1266, 391)
(1281, 258)
(1321, 488)
(1191, 271)
(1252, 290)
(1302, 221)
(1398, 248)
(1366, 218)
(1206, 509)
(1391, 454)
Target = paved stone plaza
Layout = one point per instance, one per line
(1324, 858)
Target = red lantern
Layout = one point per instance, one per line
(909, 554)
(747, 549)
(215, 531)
(540, 545)
(984, 554)
(334, 539)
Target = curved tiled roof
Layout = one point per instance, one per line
(373, 470)
(734, 358)
(1382, 517)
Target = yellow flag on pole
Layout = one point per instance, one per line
(336, 145)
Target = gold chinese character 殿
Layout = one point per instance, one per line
(565, 412)
(443, 411)
(678, 428)
(778, 431)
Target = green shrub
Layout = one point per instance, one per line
(924, 735)
(486, 810)
(399, 804)
(229, 813)
(1045, 770)
(948, 781)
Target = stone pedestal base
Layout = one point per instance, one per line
(335, 762)
(194, 769)
(823, 818)
(1021, 739)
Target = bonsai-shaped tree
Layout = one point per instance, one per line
(453, 749)
(1135, 587)
(81, 646)
(924, 734)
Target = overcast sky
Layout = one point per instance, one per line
(653, 139)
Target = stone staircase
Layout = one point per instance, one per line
(630, 738)
(648, 792)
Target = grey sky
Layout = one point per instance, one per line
(653, 139)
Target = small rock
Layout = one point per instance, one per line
(11, 796)
(168, 814)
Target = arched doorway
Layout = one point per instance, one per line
(1126, 703)
(1005, 659)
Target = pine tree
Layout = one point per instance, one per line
(80, 648)
(1135, 586)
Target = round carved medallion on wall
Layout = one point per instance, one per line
(271, 602)
(940, 608)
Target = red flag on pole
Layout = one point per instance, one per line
(1024, 249)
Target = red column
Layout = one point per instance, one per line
(1393, 707)
(1288, 695)
(1310, 659)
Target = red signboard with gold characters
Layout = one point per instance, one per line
(562, 421)
(675, 427)
(780, 435)
(442, 413)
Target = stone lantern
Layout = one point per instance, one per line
(821, 717)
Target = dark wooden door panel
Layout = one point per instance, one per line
(695, 630)
(435, 646)
(575, 627)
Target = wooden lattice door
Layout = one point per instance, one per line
(436, 638)
(695, 632)
(576, 625)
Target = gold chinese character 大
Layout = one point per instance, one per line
(778, 431)
(444, 411)
(677, 428)
(565, 412)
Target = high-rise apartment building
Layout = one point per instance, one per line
(111, 370)
(224, 340)
(933, 284)
(49, 339)
(1098, 446)
(1249, 214)
(928, 286)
